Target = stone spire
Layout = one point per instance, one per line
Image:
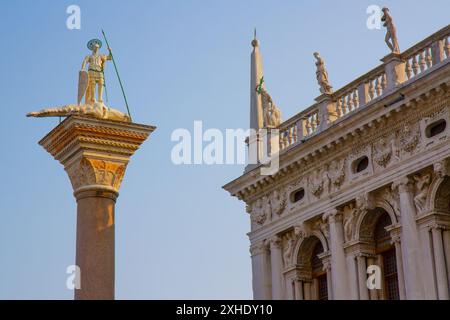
(256, 112)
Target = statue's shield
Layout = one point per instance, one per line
(83, 79)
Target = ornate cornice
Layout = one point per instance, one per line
(296, 162)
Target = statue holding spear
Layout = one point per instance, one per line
(88, 81)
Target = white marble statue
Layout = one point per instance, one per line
(322, 75)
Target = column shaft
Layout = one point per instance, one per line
(329, 285)
(439, 258)
(260, 277)
(95, 244)
(307, 290)
(410, 242)
(276, 260)
(352, 276)
(428, 264)
(446, 238)
(372, 292)
(362, 278)
(400, 275)
(338, 263)
(299, 289)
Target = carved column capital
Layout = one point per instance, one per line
(332, 216)
(442, 168)
(326, 264)
(95, 152)
(96, 174)
(438, 226)
(395, 238)
(258, 248)
(276, 242)
(403, 185)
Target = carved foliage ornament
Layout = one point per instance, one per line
(336, 173)
(278, 202)
(89, 172)
(319, 182)
(409, 138)
(263, 208)
(384, 151)
(260, 210)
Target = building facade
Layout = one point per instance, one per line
(363, 187)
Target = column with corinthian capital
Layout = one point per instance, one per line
(410, 247)
(95, 154)
(276, 261)
(339, 279)
(439, 262)
(261, 281)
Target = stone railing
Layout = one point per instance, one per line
(395, 70)
(426, 54)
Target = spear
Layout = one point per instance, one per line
(117, 73)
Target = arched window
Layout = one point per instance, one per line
(386, 252)
(313, 284)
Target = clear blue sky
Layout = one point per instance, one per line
(178, 234)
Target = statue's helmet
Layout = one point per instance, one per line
(94, 43)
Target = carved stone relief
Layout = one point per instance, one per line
(319, 182)
(385, 151)
(422, 185)
(336, 174)
(409, 137)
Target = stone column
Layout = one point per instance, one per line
(439, 261)
(338, 263)
(427, 259)
(446, 238)
(276, 260)
(362, 277)
(315, 289)
(260, 271)
(298, 289)
(327, 267)
(95, 154)
(410, 241)
(373, 294)
(307, 289)
(399, 261)
(352, 276)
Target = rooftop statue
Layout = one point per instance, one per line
(391, 31)
(322, 75)
(87, 83)
(272, 114)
